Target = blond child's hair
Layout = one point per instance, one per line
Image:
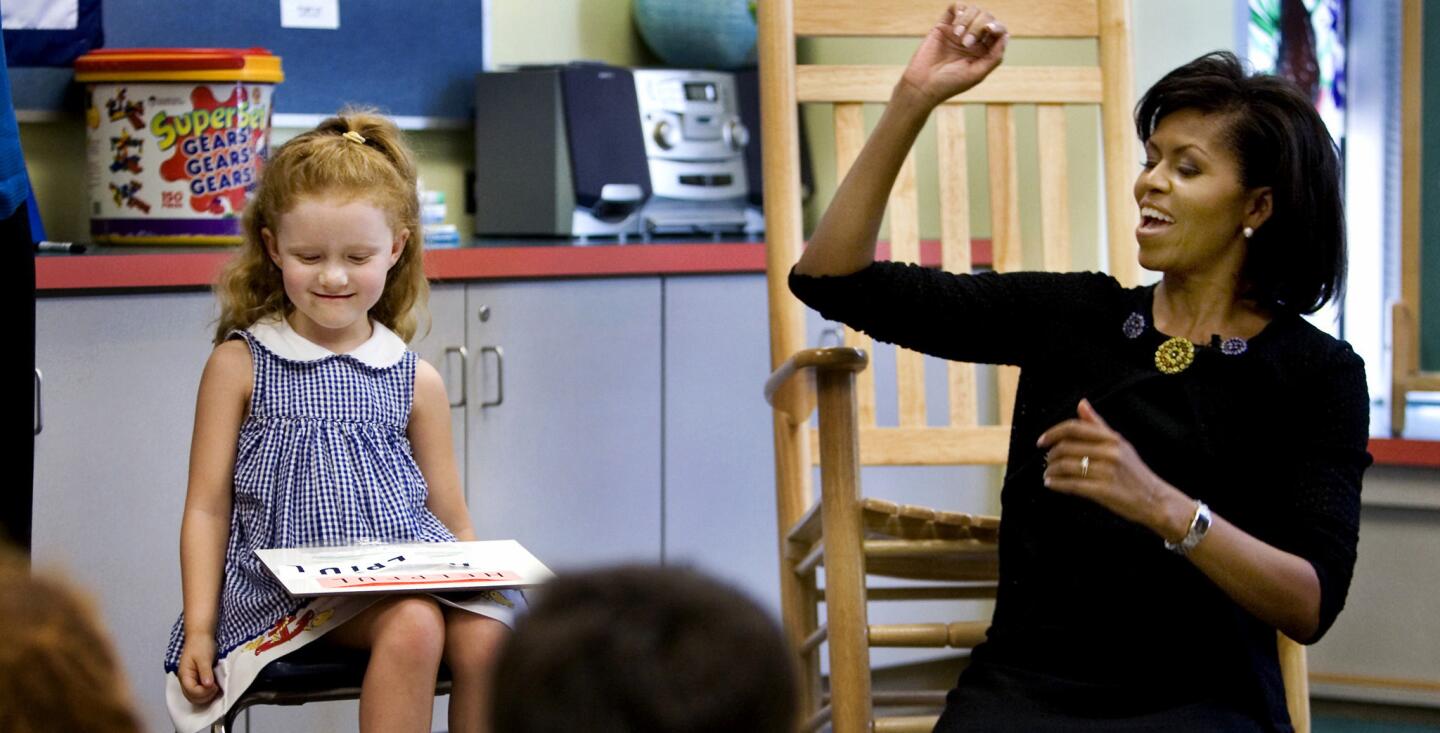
(325, 161)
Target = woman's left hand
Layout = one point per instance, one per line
(958, 53)
(1087, 458)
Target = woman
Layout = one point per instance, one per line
(1185, 459)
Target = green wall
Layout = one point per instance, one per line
(538, 31)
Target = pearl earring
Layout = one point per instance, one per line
(1248, 232)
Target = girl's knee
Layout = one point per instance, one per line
(473, 642)
(412, 625)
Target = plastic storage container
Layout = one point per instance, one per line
(176, 138)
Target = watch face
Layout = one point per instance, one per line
(1199, 527)
(1202, 525)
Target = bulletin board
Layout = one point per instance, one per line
(1415, 317)
(413, 58)
(1429, 295)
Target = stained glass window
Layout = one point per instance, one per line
(1304, 41)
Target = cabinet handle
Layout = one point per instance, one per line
(464, 373)
(39, 409)
(499, 375)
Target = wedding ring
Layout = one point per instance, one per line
(1084, 466)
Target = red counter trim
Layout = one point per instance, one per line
(128, 271)
(1402, 452)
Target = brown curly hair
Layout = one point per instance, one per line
(58, 669)
(380, 170)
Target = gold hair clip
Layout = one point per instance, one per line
(353, 137)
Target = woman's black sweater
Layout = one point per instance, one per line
(1272, 439)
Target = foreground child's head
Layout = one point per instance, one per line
(58, 670)
(640, 648)
(344, 179)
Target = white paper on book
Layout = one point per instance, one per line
(404, 567)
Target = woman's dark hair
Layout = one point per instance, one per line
(1296, 259)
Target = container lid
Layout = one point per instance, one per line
(179, 64)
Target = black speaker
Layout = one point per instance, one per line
(559, 152)
(602, 122)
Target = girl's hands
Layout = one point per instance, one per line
(960, 51)
(1087, 458)
(197, 669)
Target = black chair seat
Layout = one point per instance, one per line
(315, 673)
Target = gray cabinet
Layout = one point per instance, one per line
(120, 378)
(719, 452)
(443, 345)
(568, 462)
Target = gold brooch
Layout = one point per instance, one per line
(1174, 355)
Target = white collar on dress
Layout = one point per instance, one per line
(384, 347)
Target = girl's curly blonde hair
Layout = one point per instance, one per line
(324, 161)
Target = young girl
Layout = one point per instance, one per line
(315, 425)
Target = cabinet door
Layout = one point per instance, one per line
(569, 462)
(443, 345)
(719, 448)
(120, 378)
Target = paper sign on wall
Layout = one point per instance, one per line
(310, 14)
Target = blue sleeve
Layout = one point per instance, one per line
(14, 186)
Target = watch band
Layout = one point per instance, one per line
(1199, 525)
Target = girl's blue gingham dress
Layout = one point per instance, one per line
(323, 459)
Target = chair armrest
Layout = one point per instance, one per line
(797, 400)
(1294, 672)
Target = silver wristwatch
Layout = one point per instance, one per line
(1199, 525)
